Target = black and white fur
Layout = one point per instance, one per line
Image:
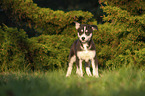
(83, 49)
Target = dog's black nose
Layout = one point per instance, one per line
(83, 38)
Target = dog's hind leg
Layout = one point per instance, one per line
(70, 65)
(95, 67)
(77, 71)
(88, 68)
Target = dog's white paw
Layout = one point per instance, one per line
(97, 76)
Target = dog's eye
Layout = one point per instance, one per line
(86, 30)
(82, 30)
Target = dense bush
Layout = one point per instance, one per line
(14, 49)
(35, 20)
(92, 6)
(18, 52)
(121, 39)
(52, 51)
(135, 7)
(43, 37)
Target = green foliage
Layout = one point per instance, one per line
(138, 59)
(18, 52)
(48, 35)
(120, 38)
(51, 51)
(92, 6)
(135, 7)
(13, 49)
(29, 16)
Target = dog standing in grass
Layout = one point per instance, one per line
(83, 49)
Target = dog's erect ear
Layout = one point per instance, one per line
(94, 27)
(77, 25)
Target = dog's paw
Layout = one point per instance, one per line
(97, 76)
(67, 75)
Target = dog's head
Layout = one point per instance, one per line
(85, 31)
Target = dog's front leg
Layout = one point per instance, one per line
(79, 67)
(81, 70)
(95, 67)
(71, 61)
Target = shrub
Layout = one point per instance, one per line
(121, 38)
(14, 49)
(51, 51)
(36, 20)
(135, 7)
(18, 52)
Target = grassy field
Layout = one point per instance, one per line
(118, 82)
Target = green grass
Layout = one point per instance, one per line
(119, 82)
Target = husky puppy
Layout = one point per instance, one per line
(83, 49)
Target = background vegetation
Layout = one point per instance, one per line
(39, 38)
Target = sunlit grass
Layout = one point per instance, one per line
(119, 82)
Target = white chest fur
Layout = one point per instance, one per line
(86, 55)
